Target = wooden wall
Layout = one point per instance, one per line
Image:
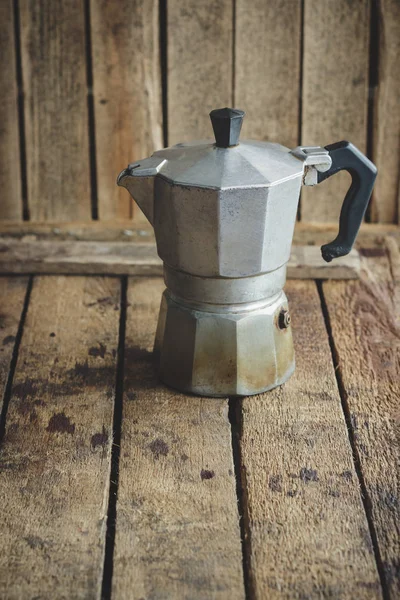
(87, 86)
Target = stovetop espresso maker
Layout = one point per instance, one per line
(223, 213)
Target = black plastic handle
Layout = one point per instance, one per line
(363, 173)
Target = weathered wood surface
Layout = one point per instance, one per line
(90, 231)
(335, 91)
(56, 113)
(116, 258)
(310, 234)
(135, 258)
(127, 95)
(55, 457)
(10, 164)
(199, 65)
(307, 532)
(177, 521)
(365, 321)
(177, 527)
(386, 131)
(175, 61)
(267, 69)
(12, 296)
(370, 235)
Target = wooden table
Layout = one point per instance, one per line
(113, 485)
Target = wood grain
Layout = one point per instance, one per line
(12, 296)
(177, 520)
(310, 234)
(127, 94)
(199, 65)
(307, 534)
(138, 258)
(267, 69)
(365, 323)
(386, 130)
(56, 116)
(55, 458)
(10, 164)
(335, 91)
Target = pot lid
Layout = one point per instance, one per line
(228, 163)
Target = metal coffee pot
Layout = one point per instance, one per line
(223, 213)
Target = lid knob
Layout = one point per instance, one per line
(227, 123)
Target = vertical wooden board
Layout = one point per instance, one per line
(127, 94)
(10, 166)
(307, 534)
(56, 116)
(335, 91)
(386, 126)
(12, 297)
(199, 65)
(267, 68)
(365, 323)
(55, 458)
(177, 520)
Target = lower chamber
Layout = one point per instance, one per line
(219, 350)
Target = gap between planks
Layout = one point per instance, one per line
(135, 258)
(16, 293)
(115, 451)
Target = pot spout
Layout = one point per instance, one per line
(138, 179)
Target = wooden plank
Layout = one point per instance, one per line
(307, 534)
(267, 49)
(177, 520)
(199, 65)
(56, 116)
(55, 458)
(88, 258)
(136, 258)
(12, 297)
(127, 95)
(306, 262)
(370, 234)
(335, 91)
(10, 165)
(386, 120)
(95, 231)
(365, 323)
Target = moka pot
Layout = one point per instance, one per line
(223, 213)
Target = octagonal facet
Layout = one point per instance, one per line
(223, 353)
(250, 163)
(225, 232)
